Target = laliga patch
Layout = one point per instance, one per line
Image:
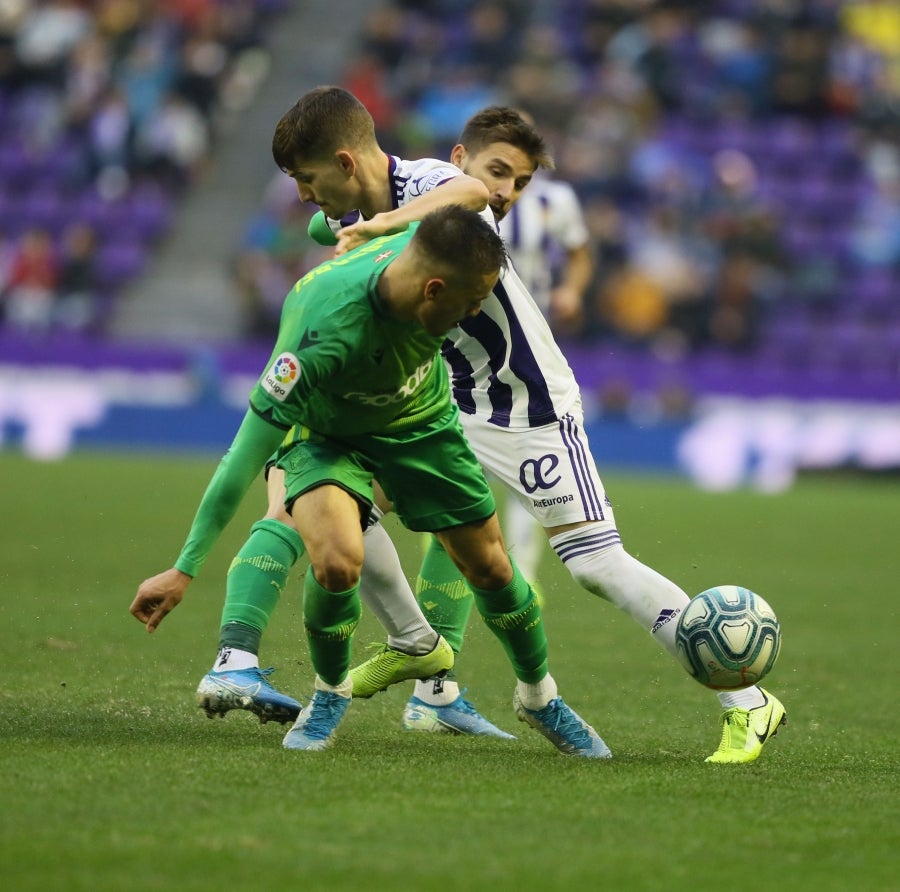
(280, 379)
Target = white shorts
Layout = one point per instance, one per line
(549, 469)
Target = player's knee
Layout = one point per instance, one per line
(337, 571)
(491, 569)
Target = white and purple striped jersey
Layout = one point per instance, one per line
(504, 363)
(409, 180)
(541, 227)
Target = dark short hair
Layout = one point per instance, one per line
(461, 238)
(319, 123)
(499, 123)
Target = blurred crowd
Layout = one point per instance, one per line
(108, 111)
(737, 161)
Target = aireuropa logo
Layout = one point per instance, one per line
(280, 379)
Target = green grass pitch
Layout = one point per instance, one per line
(111, 778)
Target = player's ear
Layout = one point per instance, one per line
(458, 155)
(345, 161)
(433, 288)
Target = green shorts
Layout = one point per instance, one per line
(430, 473)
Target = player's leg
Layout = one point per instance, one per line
(525, 539)
(253, 586)
(594, 555)
(564, 492)
(385, 590)
(510, 610)
(329, 492)
(437, 703)
(254, 583)
(328, 520)
(438, 485)
(414, 649)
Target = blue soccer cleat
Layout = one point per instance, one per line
(316, 725)
(564, 728)
(219, 692)
(458, 717)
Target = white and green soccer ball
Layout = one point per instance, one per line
(728, 638)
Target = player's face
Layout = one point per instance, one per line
(327, 184)
(454, 299)
(503, 168)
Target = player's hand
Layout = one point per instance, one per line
(356, 234)
(566, 306)
(158, 596)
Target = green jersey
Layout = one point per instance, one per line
(341, 366)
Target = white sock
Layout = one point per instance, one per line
(596, 559)
(746, 698)
(385, 590)
(436, 691)
(230, 659)
(525, 538)
(344, 689)
(537, 696)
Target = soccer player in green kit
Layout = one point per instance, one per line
(356, 375)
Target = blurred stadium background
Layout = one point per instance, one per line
(738, 162)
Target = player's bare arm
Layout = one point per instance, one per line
(567, 299)
(464, 190)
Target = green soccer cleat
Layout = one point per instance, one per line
(745, 731)
(390, 666)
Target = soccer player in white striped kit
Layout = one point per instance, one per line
(550, 246)
(521, 411)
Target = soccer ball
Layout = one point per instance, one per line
(728, 638)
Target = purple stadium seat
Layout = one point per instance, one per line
(107, 217)
(875, 289)
(149, 211)
(118, 262)
(792, 137)
(45, 207)
(15, 164)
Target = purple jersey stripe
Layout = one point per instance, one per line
(350, 219)
(525, 366)
(514, 351)
(590, 543)
(591, 498)
(484, 330)
(462, 381)
(398, 183)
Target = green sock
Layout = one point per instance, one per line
(255, 580)
(514, 616)
(331, 619)
(444, 595)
